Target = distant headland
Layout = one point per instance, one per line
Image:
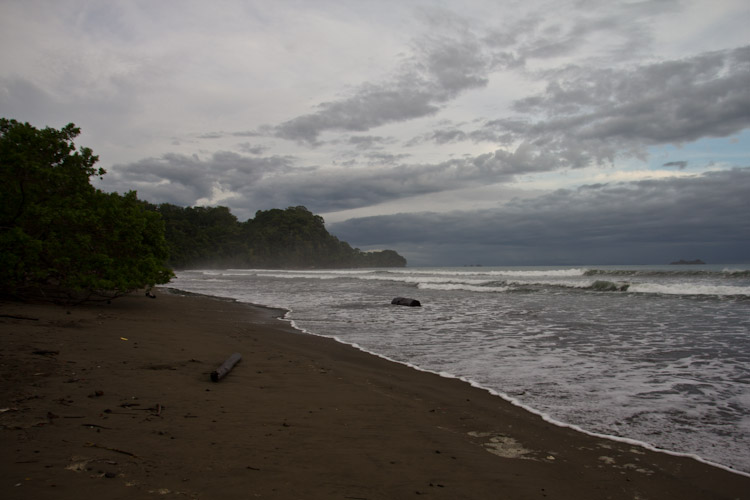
(683, 262)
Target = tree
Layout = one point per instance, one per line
(61, 237)
(201, 237)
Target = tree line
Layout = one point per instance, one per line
(63, 239)
(212, 237)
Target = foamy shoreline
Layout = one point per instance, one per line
(506, 397)
(653, 368)
(126, 409)
(546, 417)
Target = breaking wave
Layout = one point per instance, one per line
(722, 282)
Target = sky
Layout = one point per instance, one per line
(457, 133)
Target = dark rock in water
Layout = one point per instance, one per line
(683, 262)
(402, 301)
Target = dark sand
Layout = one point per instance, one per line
(126, 409)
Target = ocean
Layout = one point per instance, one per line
(658, 355)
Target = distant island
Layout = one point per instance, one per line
(683, 262)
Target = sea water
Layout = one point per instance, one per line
(655, 354)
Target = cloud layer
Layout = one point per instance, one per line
(372, 108)
(645, 222)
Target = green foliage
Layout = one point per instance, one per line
(61, 236)
(200, 234)
(204, 237)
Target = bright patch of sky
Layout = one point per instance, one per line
(705, 154)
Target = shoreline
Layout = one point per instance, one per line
(505, 397)
(301, 416)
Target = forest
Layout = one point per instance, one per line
(61, 238)
(212, 237)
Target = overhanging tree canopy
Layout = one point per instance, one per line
(61, 236)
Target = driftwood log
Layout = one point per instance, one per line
(226, 367)
(403, 301)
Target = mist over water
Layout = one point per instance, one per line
(656, 354)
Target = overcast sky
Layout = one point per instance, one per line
(454, 132)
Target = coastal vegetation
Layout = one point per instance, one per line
(59, 236)
(212, 237)
(63, 239)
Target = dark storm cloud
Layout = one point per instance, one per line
(591, 115)
(253, 183)
(384, 158)
(536, 37)
(621, 20)
(371, 107)
(442, 67)
(440, 136)
(624, 222)
(365, 142)
(670, 102)
(183, 180)
(589, 82)
(587, 115)
(254, 149)
(248, 133)
(333, 190)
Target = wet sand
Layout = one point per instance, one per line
(116, 400)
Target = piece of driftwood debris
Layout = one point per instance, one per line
(226, 367)
(94, 445)
(403, 301)
(16, 316)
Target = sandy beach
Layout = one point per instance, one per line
(116, 400)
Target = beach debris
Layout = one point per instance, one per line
(403, 301)
(226, 367)
(95, 426)
(95, 445)
(79, 464)
(45, 352)
(502, 446)
(163, 366)
(18, 316)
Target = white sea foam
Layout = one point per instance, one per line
(651, 365)
(552, 283)
(541, 273)
(689, 289)
(306, 275)
(473, 271)
(461, 286)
